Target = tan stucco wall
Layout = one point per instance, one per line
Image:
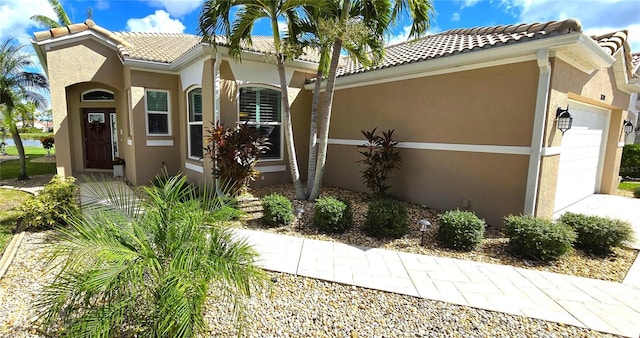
(598, 89)
(150, 160)
(490, 106)
(100, 66)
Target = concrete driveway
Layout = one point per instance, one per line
(624, 208)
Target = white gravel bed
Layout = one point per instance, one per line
(300, 307)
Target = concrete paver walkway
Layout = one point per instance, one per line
(599, 305)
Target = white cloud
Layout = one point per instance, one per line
(102, 4)
(177, 8)
(455, 17)
(14, 17)
(159, 22)
(597, 17)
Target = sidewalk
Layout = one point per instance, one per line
(599, 305)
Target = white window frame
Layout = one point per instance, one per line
(147, 112)
(190, 123)
(97, 90)
(238, 122)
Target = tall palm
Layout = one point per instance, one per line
(379, 16)
(146, 268)
(17, 85)
(61, 16)
(214, 21)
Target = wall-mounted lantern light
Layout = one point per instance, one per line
(564, 119)
(627, 127)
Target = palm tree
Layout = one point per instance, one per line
(214, 20)
(16, 87)
(146, 268)
(61, 14)
(379, 17)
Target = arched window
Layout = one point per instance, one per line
(194, 102)
(96, 95)
(260, 108)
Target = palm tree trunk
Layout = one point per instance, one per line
(313, 134)
(325, 120)
(288, 132)
(23, 159)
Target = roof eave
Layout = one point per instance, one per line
(594, 57)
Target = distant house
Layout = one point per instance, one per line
(475, 110)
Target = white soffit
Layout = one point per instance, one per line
(192, 74)
(258, 72)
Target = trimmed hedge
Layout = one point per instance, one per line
(331, 215)
(387, 219)
(538, 238)
(597, 235)
(630, 163)
(52, 206)
(461, 230)
(277, 210)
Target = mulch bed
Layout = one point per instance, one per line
(493, 250)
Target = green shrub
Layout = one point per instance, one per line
(630, 163)
(332, 215)
(387, 218)
(597, 234)
(636, 192)
(52, 206)
(538, 238)
(461, 230)
(277, 210)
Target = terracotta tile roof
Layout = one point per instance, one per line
(156, 47)
(457, 41)
(159, 47)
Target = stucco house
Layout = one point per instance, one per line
(475, 110)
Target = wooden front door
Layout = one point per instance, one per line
(97, 137)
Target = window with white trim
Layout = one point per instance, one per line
(260, 108)
(157, 105)
(194, 102)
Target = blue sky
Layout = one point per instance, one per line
(597, 17)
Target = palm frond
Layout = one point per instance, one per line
(45, 21)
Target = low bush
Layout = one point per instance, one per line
(331, 215)
(51, 207)
(461, 230)
(531, 237)
(277, 210)
(597, 235)
(636, 192)
(630, 163)
(387, 218)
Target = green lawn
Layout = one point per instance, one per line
(10, 169)
(629, 186)
(32, 136)
(8, 216)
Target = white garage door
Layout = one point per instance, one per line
(581, 155)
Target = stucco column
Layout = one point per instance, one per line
(61, 129)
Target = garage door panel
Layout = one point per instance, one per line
(580, 154)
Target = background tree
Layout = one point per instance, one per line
(62, 18)
(215, 20)
(17, 87)
(378, 16)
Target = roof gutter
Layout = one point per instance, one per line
(582, 46)
(539, 121)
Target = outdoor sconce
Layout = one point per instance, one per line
(424, 225)
(298, 212)
(564, 119)
(628, 127)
